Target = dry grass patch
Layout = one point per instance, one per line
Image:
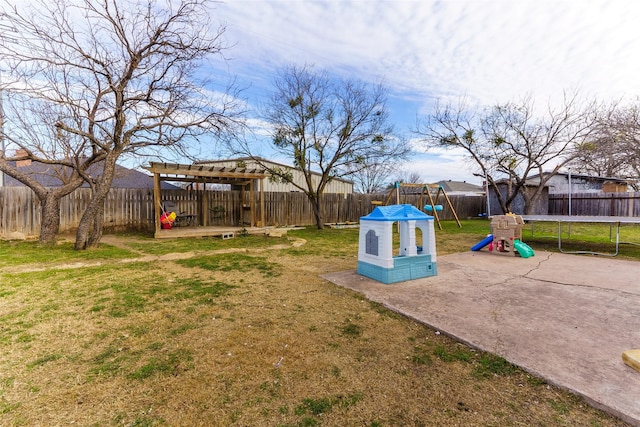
(255, 338)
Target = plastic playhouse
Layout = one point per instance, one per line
(505, 237)
(375, 250)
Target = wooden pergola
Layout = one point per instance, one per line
(203, 174)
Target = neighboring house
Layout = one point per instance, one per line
(461, 188)
(336, 185)
(517, 205)
(559, 183)
(49, 176)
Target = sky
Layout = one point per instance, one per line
(425, 51)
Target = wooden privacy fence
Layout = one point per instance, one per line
(595, 204)
(132, 209)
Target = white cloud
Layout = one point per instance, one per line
(490, 50)
(487, 50)
(435, 167)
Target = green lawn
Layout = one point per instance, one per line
(238, 332)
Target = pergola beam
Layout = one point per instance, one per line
(205, 171)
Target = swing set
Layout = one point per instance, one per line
(426, 193)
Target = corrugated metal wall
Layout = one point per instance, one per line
(338, 186)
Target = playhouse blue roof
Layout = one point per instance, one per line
(396, 213)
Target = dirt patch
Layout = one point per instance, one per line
(121, 243)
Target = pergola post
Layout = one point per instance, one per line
(251, 203)
(242, 205)
(157, 203)
(204, 206)
(262, 203)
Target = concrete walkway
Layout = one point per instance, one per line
(565, 318)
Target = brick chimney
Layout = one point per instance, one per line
(22, 163)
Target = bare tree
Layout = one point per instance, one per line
(614, 148)
(514, 141)
(375, 176)
(409, 177)
(329, 127)
(60, 158)
(124, 78)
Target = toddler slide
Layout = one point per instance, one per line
(484, 242)
(523, 249)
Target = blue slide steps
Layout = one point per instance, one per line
(484, 242)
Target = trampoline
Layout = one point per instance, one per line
(562, 219)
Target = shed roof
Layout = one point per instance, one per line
(396, 213)
(262, 161)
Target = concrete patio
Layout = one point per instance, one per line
(565, 318)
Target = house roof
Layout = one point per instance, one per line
(459, 186)
(529, 182)
(49, 176)
(534, 180)
(587, 177)
(396, 213)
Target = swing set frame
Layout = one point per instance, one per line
(426, 192)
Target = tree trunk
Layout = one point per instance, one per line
(531, 198)
(316, 203)
(501, 200)
(85, 238)
(98, 223)
(529, 203)
(50, 224)
(89, 230)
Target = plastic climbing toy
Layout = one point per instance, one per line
(506, 237)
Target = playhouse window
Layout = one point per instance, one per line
(371, 246)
